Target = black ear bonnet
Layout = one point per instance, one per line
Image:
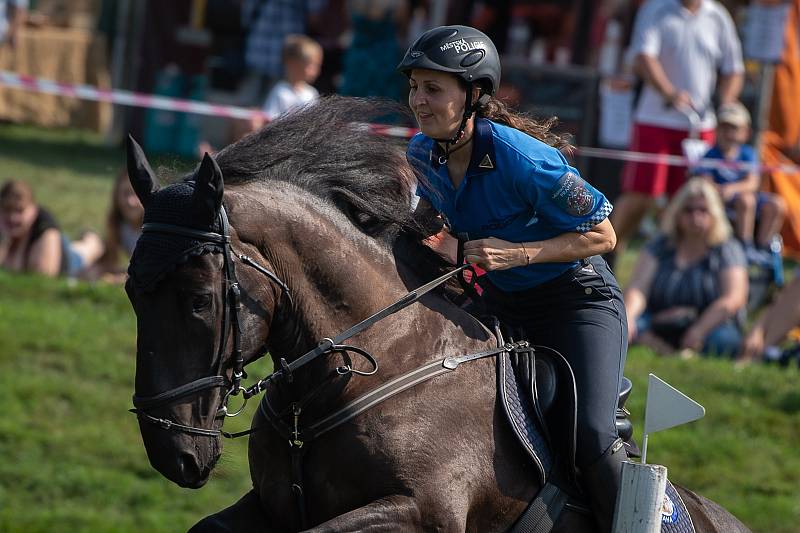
(156, 254)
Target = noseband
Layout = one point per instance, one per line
(231, 305)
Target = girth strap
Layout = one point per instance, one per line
(297, 453)
(543, 512)
(300, 438)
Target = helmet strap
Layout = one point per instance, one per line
(469, 109)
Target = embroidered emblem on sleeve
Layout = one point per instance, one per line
(571, 194)
(599, 216)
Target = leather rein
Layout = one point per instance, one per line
(231, 325)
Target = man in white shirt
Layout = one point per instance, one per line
(678, 52)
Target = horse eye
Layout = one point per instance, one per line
(200, 302)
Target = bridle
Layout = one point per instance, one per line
(231, 323)
(293, 433)
(231, 305)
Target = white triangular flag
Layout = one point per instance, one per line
(668, 407)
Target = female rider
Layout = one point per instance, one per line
(528, 218)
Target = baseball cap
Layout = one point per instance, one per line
(733, 113)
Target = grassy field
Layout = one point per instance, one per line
(72, 457)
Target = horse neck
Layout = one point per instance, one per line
(339, 276)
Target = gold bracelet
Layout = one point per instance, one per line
(527, 257)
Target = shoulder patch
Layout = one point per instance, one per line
(570, 194)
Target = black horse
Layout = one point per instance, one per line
(312, 233)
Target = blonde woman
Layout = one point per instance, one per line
(689, 287)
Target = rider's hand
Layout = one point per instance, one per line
(495, 254)
(443, 244)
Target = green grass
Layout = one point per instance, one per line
(73, 460)
(71, 172)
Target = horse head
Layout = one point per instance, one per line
(185, 291)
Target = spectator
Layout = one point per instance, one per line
(374, 49)
(773, 325)
(302, 59)
(780, 135)
(269, 22)
(645, 16)
(689, 286)
(123, 227)
(31, 241)
(739, 187)
(678, 55)
(12, 16)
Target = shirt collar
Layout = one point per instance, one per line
(483, 156)
(679, 5)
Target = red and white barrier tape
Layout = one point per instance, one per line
(135, 99)
(87, 92)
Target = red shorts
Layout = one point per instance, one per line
(657, 178)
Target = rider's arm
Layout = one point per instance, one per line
(439, 239)
(497, 254)
(570, 246)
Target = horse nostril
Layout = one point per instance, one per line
(188, 468)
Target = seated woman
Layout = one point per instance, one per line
(689, 287)
(31, 241)
(771, 329)
(123, 227)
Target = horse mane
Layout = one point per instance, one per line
(327, 149)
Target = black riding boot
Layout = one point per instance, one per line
(601, 480)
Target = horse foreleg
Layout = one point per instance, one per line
(395, 513)
(245, 515)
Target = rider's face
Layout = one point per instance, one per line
(437, 100)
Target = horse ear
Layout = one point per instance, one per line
(140, 174)
(208, 189)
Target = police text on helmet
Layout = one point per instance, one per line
(462, 46)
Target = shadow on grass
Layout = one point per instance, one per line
(81, 151)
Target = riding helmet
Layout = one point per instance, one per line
(460, 50)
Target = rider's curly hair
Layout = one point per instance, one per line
(497, 111)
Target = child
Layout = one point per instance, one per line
(123, 227)
(739, 186)
(302, 59)
(31, 241)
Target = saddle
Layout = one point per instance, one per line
(537, 389)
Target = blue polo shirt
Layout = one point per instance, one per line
(516, 188)
(724, 176)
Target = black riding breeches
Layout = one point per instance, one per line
(581, 315)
